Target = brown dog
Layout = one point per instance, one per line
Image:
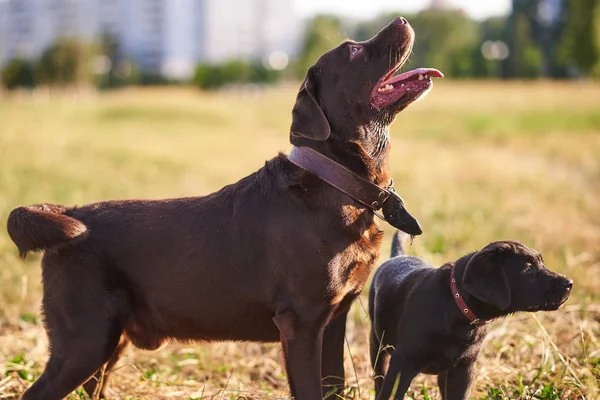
(278, 256)
(433, 320)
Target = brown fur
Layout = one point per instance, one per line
(278, 256)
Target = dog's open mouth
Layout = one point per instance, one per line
(392, 87)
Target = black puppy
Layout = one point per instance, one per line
(432, 320)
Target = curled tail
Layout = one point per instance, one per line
(398, 244)
(42, 226)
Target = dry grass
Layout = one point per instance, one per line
(475, 162)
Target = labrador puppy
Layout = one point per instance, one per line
(433, 320)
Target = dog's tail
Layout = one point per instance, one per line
(42, 226)
(398, 243)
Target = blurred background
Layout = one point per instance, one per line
(212, 43)
(119, 99)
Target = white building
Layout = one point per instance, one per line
(166, 37)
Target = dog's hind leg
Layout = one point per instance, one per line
(332, 364)
(97, 384)
(84, 320)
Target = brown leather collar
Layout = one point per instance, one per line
(464, 308)
(340, 177)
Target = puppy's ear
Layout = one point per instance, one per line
(308, 119)
(485, 279)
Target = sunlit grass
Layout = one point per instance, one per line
(475, 162)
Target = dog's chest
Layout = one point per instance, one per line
(350, 269)
(451, 354)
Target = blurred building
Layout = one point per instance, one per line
(167, 37)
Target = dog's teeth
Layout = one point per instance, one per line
(386, 88)
(421, 77)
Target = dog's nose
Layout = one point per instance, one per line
(568, 284)
(400, 21)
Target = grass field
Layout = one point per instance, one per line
(475, 162)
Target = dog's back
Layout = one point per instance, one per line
(399, 266)
(390, 278)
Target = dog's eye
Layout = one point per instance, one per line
(527, 267)
(354, 50)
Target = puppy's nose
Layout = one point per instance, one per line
(400, 21)
(567, 284)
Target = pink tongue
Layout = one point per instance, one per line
(415, 72)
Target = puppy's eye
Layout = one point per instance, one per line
(354, 50)
(527, 267)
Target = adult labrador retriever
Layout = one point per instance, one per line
(278, 256)
(432, 320)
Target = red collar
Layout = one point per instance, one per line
(464, 308)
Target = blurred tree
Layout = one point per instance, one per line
(111, 69)
(446, 40)
(322, 34)
(208, 76)
(536, 28)
(581, 40)
(64, 63)
(17, 73)
(262, 74)
(491, 30)
(525, 54)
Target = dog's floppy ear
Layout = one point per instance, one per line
(308, 119)
(485, 279)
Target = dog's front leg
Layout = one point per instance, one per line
(302, 343)
(399, 375)
(332, 365)
(457, 382)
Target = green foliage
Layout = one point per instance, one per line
(17, 73)
(581, 39)
(208, 76)
(445, 41)
(112, 70)
(494, 394)
(525, 57)
(19, 366)
(30, 318)
(63, 63)
(322, 34)
(549, 392)
(425, 393)
(492, 29)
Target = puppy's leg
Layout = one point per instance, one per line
(398, 378)
(332, 365)
(380, 359)
(91, 386)
(84, 323)
(442, 380)
(458, 381)
(302, 342)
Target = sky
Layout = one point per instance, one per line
(363, 9)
